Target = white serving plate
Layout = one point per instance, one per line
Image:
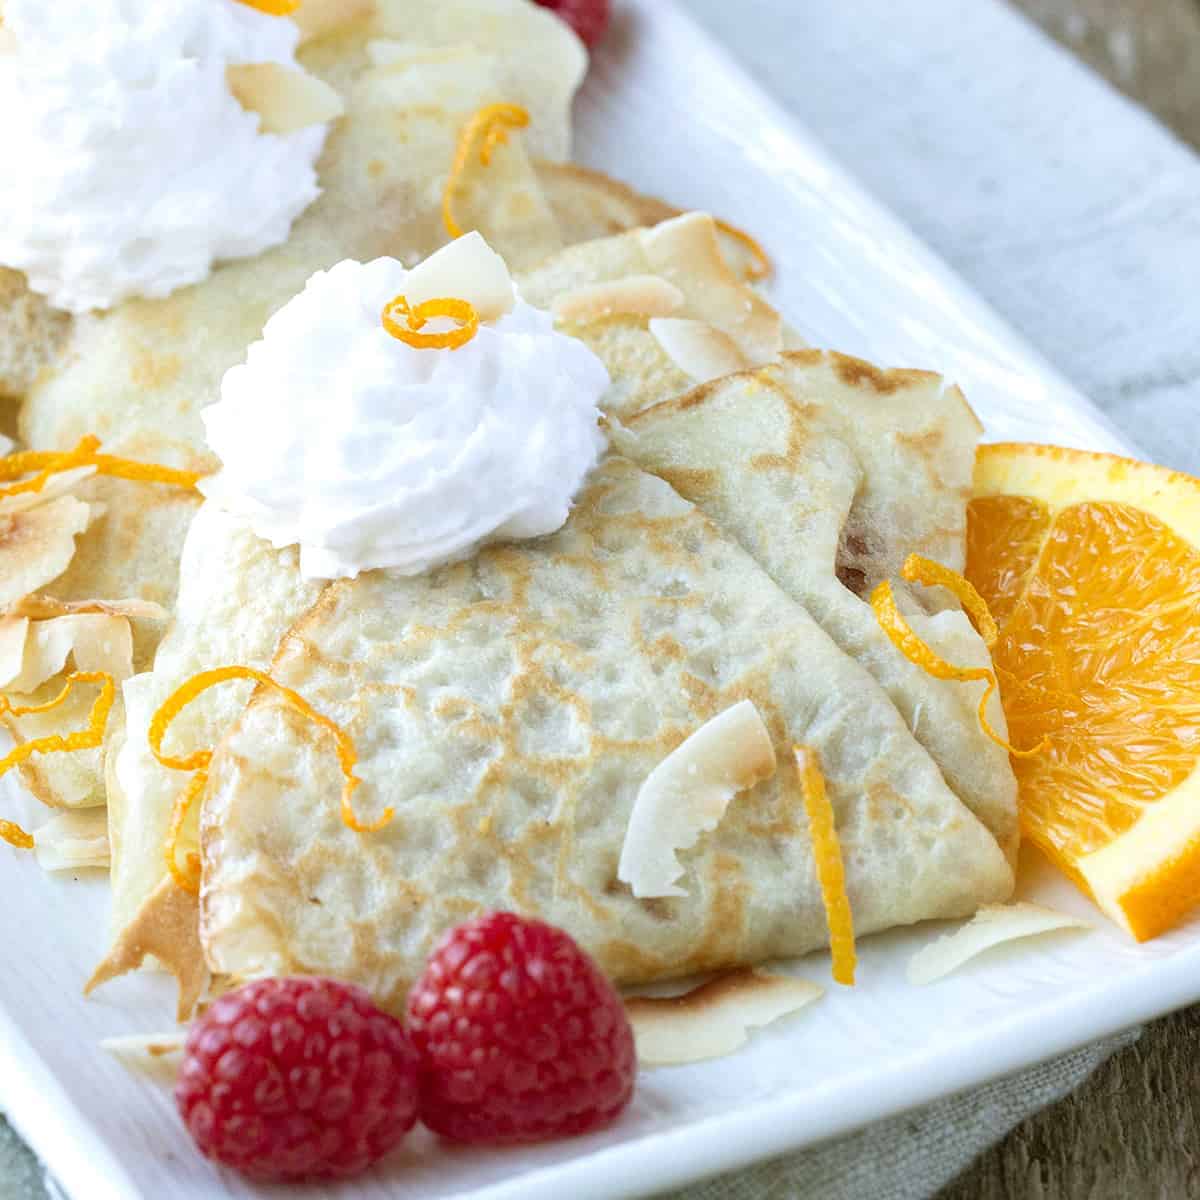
(667, 111)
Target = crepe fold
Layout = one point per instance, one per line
(139, 375)
(826, 469)
(510, 707)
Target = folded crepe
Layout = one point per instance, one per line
(826, 469)
(237, 596)
(830, 473)
(139, 375)
(510, 707)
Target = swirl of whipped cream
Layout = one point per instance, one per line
(130, 167)
(370, 453)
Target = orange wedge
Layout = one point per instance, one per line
(1091, 566)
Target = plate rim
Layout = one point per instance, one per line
(83, 1165)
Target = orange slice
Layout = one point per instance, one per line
(1091, 566)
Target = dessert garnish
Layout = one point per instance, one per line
(687, 795)
(80, 739)
(187, 875)
(1091, 565)
(292, 1079)
(399, 443)
(906, 640)
(131, 166)
(758, 265)
(831, 871)
(491, 126)
(48, 463)
(410, 332)
(273, 8)
(992, 925)
(73, 840)
(715, 1018)
(521, 1036)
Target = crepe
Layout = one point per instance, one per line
(237, 596)
(537, 63)
(510, 707)
(139, 375)
(830, 473)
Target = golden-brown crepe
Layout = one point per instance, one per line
(510, 707)
(139, 375)
(830, 473)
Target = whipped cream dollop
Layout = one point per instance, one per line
(368, 452)
(129, 165)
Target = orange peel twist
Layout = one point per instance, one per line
(415, 320)
(919, 569)
(55, 743)
(273, 8)
(831, 870)
(187, 876)
(918, 652)
(86, 454)
(492, 124)
(760, 266)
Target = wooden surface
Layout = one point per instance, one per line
(1133, 1131)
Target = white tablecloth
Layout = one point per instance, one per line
(1078, 217)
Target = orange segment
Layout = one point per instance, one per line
(1091, 565)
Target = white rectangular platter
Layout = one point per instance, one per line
(666, 111)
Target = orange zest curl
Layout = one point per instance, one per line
(85, 454)
(491, 125)
(760, 266)
(415, 320)
(831, 871)
(14, 835)
(273, 8)
(918, 652)
(919, 569)
(188, 875)
(82, 739)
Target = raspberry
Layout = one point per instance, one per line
(521, 1037)
(289, 1079)
(589, 18)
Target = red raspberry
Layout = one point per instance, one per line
(589, 18)
(289, 1079)
(521, 1037)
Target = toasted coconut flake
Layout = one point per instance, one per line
(286, 100)
(318, 18)
(36, 546)
(55, 485)
(42, 608)
(635, 295)
(13, 632)
(73, 840)
(167, 927)
(687, 247)
(991, 926)
(97, 642)
(468, 267)
(701, 352)
(714, 1019)
(687, 794)
(155, 1055)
